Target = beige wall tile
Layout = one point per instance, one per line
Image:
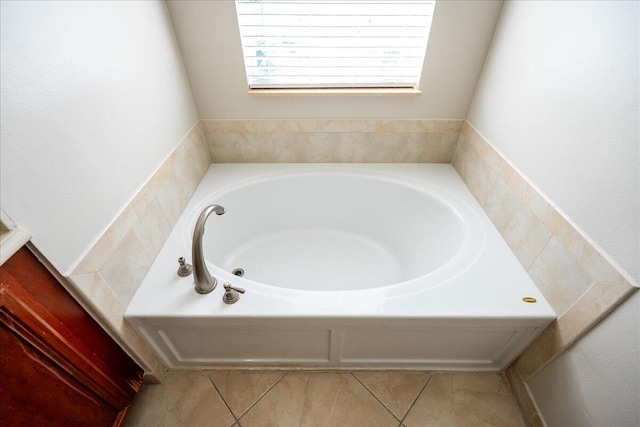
(526, 235)
(478, 174)
(543, 349)
(224, 148)
(465, 158)
(158, 179)
(355, 147)
(173, 197)
(598, 267)
(559, 259)
(202, 156)
(467, 130)
(513, 179)
(401, 126)
(454, 126)
(289, 147)
(289, 126)
(501, 204)
(191, 167)
(538, 204)
(126, 267)
(583, 315)
(103, 248)
(430, 147)
(152, 228)
(98, 293)
(565, 233)
(592, 306)
(461, 156)
(238, 126)
(323, 147)
(184, 170)
(521, 394)
(485, 151)
(241, 147)
(558, 276)
(349, 126)
(116, 265)
(419, 126)
(360, 140)
(142, 199)
(365, 147)
(480, 179)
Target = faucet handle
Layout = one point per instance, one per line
(185, 269)
(231, 294)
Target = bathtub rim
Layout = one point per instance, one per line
(163, 294)
(473, 242)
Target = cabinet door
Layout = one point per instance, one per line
(57, 365)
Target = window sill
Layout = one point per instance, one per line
(336, 92)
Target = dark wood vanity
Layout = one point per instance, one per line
(58, 367)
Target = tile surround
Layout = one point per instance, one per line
(113, 269)
(559, 276)
(330, 398)
(577, 279)
(528, 409)
(331, 141)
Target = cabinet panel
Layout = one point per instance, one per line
(38, 392)
(58, 366)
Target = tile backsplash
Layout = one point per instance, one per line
(113, 269)
(577, 279)
(331, 141)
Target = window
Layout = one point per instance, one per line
(334, 44)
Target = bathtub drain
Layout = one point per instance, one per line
(238, 272)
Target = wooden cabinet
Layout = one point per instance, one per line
(58, 367)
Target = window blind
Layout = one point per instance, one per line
(334, 44)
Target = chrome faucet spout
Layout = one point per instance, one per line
(204, 282)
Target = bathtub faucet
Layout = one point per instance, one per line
(205, 283)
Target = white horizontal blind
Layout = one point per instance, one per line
(334, 44)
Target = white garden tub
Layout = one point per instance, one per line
(392, 265)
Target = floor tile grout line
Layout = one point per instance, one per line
(416, 399)
(261, 396)
(376, 397)
(224, 401)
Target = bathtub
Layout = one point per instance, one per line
(359, 265)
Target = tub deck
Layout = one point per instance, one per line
(465, 315)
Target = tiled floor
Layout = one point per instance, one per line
(302, 398)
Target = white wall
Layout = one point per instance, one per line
(209, 40)
(94, 98)
(559, 97)
(597, 381)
